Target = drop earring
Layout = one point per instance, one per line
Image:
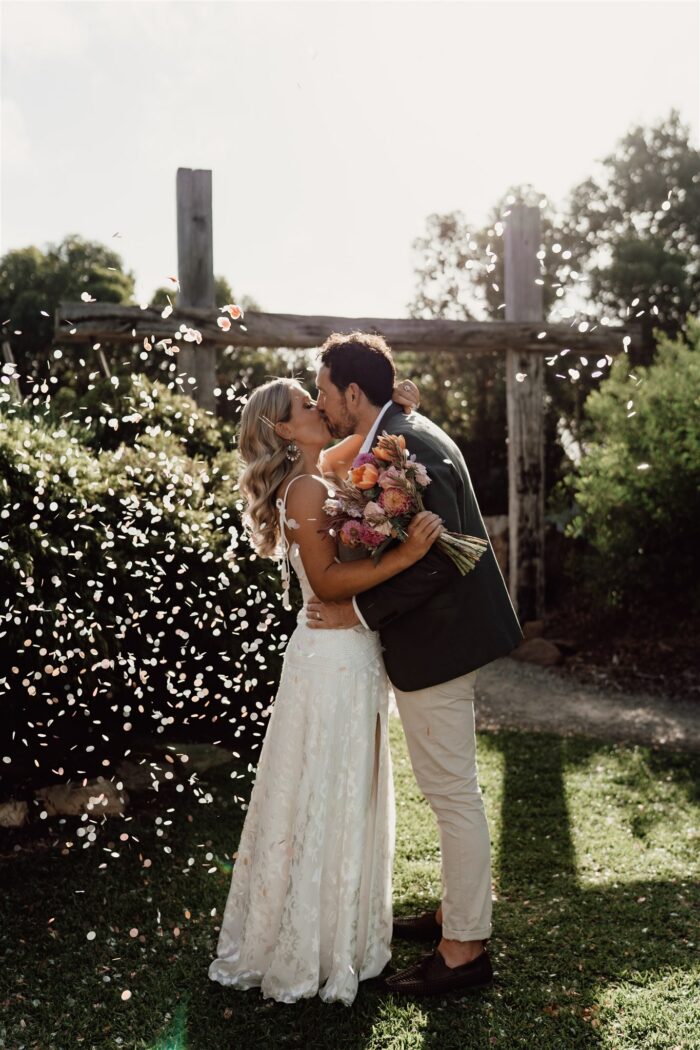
(293, 452)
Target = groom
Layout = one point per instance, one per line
(436, 628)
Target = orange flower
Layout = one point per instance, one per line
(384, 451)
(364, 477)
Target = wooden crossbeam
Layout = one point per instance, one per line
(112, 322)
(522, 336)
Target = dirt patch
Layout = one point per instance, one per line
(651, 650)
(512, 695)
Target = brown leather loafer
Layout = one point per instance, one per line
(432, 976)
(423, 927)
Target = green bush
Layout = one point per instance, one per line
(637, 488)
(129, 602)
(114, 412)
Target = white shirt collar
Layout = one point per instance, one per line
(369, 440)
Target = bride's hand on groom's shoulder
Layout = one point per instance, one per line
(406, 394)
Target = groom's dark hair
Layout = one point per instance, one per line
(363, 358)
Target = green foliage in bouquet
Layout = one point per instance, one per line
(637, 488)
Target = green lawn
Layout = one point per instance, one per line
(595, 851)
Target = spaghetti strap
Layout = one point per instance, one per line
(285, 569)
(290, 485)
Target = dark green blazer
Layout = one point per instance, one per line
(434, 623)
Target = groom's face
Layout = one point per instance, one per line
(334, 406)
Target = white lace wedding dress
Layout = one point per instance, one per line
(309, 907)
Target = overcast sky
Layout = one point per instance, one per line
(332, 129)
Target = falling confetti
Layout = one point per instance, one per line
(135, 606)
(141, 602)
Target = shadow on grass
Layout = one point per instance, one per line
(557, 943)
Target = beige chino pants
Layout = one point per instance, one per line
(439, 726)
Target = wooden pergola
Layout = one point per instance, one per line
(523, 337)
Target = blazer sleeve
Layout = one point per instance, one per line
(381, 604)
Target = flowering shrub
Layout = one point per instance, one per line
(128, 599)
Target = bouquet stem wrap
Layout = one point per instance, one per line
(464, 551)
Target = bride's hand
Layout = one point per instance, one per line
(406, 394)
(334, 615)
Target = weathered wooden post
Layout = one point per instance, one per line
(195, 253)
(525, 414)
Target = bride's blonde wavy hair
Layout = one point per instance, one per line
(265, 463)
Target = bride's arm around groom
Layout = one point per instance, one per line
(436, 624)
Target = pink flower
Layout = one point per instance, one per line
(351, 533)
(373, 510)
(371, 537)
(422, 475)
(377, 519)
(359, 534)
(389, 477)
(364, 457)
(395, 501)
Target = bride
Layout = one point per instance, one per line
(309, 906)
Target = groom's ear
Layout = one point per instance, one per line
(353, 393)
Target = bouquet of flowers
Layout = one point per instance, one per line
(382, 492)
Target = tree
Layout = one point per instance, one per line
(636, 230)
(460, 276)
(645, 216)
(33, 283)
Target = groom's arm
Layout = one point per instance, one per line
(379, 605)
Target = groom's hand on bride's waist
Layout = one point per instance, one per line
(335, 615)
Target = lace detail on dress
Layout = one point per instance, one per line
(309, 908)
